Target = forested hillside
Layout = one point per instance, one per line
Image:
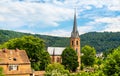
(101, 41)
(5, 35)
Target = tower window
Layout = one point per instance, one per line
(72, 42)
(76, 42)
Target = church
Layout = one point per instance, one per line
(55, 52)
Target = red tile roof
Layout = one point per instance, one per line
(13, 57)
(39, 73)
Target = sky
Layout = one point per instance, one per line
(55, 17)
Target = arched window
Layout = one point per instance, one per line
(72, 42)
(53, 58)
(58, 59)
(76, 42)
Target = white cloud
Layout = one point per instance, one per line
(32, 14)
(2, 18)
(84, 29)
(58, 32)
(113, 20)
(110, 4)
(112, 28)
(112, 24)
(48, 13)
(25, 31)
(67, 33)
(113, 5)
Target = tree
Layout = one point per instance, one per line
(112, 63)
(107, 52)
(56, 69)
(1, 72)
(70, 59)
(35, 49)
(89, 55)
(102, 41)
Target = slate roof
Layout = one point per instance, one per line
(75, 33)
(13, 57)
(55, 50)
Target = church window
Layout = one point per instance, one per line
(58, 59)
(76, 42)
(72, 42)
(53, 58)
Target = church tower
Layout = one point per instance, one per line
(75, 40)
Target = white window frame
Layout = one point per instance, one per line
(13, 67)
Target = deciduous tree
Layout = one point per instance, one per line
(89, 55)
(70, 59)
(56, 69)
(35, 49)
(1, 72)
(112, 63)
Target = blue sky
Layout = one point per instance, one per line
(55, 17)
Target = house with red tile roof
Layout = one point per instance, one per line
(15, 63)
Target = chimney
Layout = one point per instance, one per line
(16, 50)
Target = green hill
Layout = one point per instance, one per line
(102, 41)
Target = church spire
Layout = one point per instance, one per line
(75, 22)
(75, 33)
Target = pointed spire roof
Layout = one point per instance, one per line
(75, 33)
(75, 22)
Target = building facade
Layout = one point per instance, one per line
(55, 52)
(15, 63)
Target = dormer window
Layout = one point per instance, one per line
(13, 67)
(14, 59)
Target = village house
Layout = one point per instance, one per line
(15, 63)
